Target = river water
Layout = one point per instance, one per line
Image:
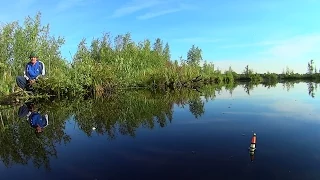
(175, 135)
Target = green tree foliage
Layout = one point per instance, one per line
(18, 41)
(166, 53)
(194, 56)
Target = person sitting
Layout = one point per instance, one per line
(33, 71)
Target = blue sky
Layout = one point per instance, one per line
(265, 34)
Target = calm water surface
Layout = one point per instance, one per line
(182, 135)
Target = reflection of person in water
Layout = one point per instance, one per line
(34, 118)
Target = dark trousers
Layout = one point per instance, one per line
(23, 83)
(23, 111)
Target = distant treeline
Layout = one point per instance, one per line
(110, 63)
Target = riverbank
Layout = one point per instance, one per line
(197, 84)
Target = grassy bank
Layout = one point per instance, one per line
(106, 64)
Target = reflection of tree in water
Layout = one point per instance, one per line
(196, 107)
(124, 113)
(288, 85)
(209, 93)
(248, 87)
(312, 87)
(19, 144)
(270, 84)
(230, 87)
(218, 90)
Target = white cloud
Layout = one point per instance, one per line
(67, 4)
(276, 55)
(296, 47)
(156, 8)
(134, 6)
(198, 40)
(153, 14)
(159, 13)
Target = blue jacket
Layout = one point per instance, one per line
(34, 71)
(37, 119)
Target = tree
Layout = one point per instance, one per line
(194, 56)
(158, 46)
(166, 52)
(310, 67)
(289, 71)
(246, 71)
